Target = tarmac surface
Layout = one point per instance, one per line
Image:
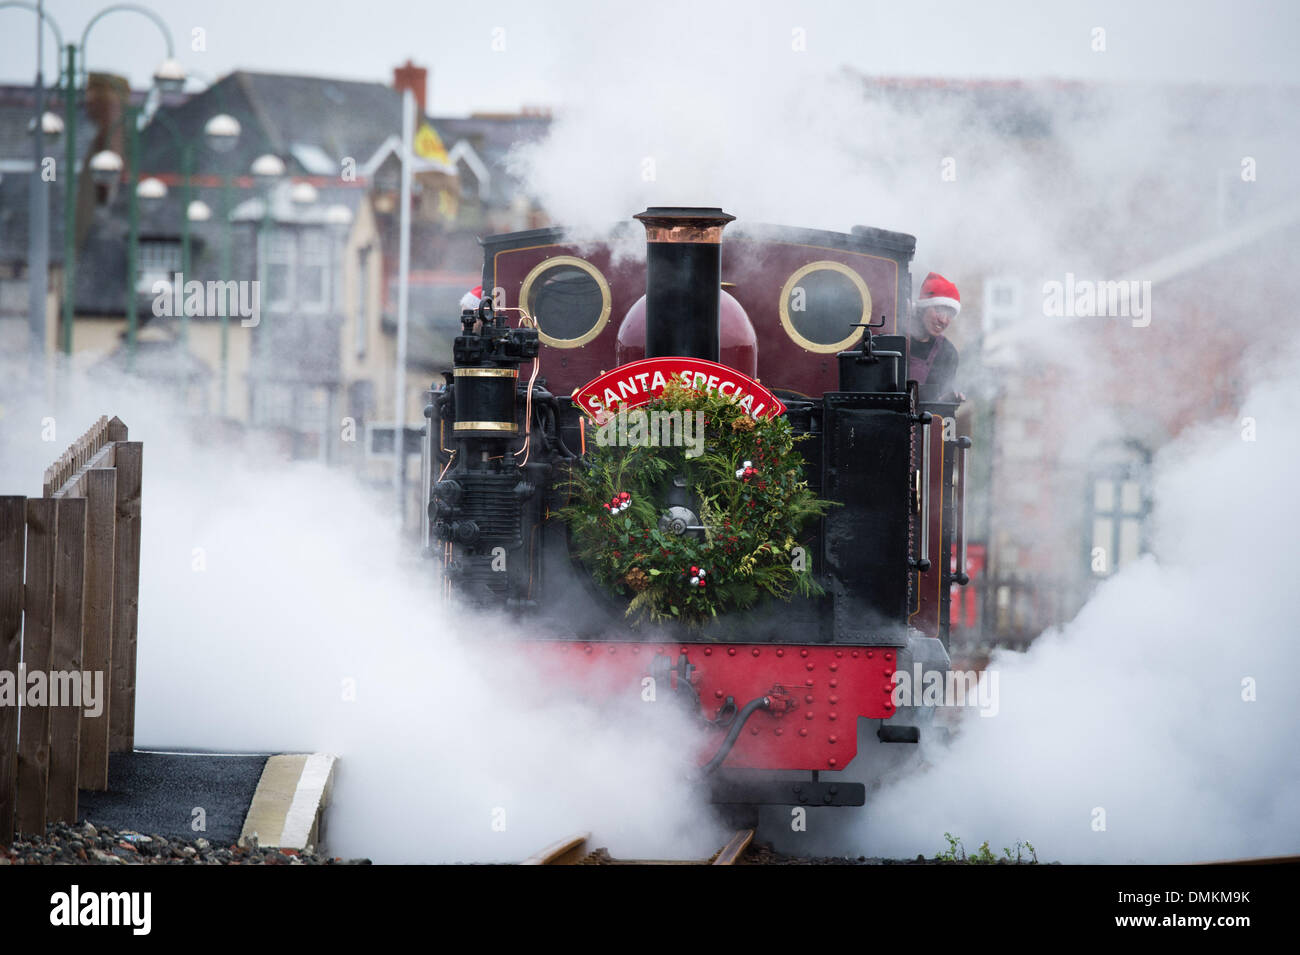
(153, 792)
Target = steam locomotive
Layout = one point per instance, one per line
(796, 695)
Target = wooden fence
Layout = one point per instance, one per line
(69, 597)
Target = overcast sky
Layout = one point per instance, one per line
(1251, 41)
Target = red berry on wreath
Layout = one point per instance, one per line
(695, 571)
(703, 582)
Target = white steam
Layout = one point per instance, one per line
(271, 592)
(1165, 710)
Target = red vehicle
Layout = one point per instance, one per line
(795, 692)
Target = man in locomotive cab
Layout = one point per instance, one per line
(471, 298)
(933, 359)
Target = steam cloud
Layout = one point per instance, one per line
(267, 585)
(1166, 703)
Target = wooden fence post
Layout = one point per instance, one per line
(65, 659)
(97, 643)
(114, 429)
(13, 517)
(38, 628)
(129, 457)
(69, 609)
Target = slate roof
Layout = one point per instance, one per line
(333, 119)
(16, 113)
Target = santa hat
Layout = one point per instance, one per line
(938, 291)
(472, 298)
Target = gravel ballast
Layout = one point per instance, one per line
(88, 844)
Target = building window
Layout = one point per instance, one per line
(313, 270)
(1118, 504)
(361, 400)
(297, 274)
(278, 246)
(157, 260)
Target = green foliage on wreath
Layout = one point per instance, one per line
(751, 526)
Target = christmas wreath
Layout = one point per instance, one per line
(689, 532)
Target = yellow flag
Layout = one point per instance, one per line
(428, 145)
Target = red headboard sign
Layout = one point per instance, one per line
(639, 382)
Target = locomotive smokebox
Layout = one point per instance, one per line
(683, 280)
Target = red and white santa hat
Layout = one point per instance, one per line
(937, 291)
(471, 298)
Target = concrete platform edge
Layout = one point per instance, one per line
(288, 807)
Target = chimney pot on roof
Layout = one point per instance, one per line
(413, 78)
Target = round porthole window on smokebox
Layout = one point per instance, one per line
(569, 299)
(819, 304)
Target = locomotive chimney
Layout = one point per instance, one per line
(683, 280)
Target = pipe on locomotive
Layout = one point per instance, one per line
(683, 280)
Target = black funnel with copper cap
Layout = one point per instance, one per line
(683, 280)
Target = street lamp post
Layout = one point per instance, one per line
(38, 237)
(167, 77)
(69, 195)
(221, 134)
(131, 122)
(133, 231)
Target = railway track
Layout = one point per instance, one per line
(577, 850)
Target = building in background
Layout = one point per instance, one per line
(317, 368)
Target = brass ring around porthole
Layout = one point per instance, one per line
(788, 323)
(562, 262)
